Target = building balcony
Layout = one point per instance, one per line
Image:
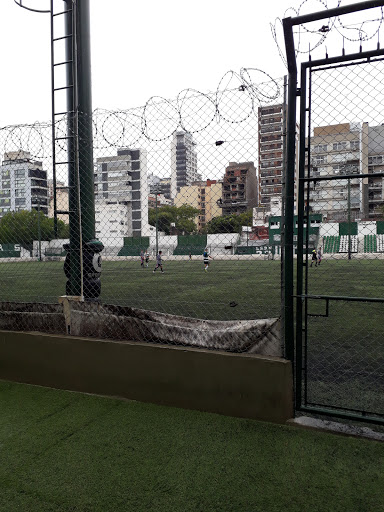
(229, 203)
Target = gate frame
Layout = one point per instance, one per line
(292, 352)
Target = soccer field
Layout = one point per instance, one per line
(231, 289)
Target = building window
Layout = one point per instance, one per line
(20, 173)
(372, 160)
(316, 160)
(20, 192)
(339, 146)
(355, 145)
(338, 158)
(320, 148)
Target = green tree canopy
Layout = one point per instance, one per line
(23, 227)
(229, 223)
(182, 217)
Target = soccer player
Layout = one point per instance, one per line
(319, 256)
(314, 258)
(146, 255)
(159, 263)
(206, 257)
(142, 259)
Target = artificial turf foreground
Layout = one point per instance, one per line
(68, 452)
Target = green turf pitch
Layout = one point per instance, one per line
(231, 289)
(68, 452)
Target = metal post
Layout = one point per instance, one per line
(349, 220)
(301, 215)
(84, 109)
(83, 266)
(288, 310)
(282, 233)
(157, 234)
(38, 228)
(74, 277)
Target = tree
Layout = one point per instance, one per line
(229, 223)
(182, 217)
(23, 227)
(185, 215)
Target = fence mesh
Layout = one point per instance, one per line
(170, 191)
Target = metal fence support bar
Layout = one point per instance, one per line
(288, 318)
(339, 414)
(337, 11)
(300, 240)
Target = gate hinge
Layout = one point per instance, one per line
(298, 91)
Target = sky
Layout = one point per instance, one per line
(139, 49)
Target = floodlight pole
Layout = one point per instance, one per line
(83, 265)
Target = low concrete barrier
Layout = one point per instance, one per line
(243, 385)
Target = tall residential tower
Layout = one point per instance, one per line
(183, 162)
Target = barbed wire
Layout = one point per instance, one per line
(236, 99)
(361, 31)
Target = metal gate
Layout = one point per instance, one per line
(338, 232)
(340, 239)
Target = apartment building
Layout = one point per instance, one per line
(23, 183)
(183, 161)
(336, 151)
(270, 163)
(375, 165)
(121, 194)
(203, 195)
(240, 191)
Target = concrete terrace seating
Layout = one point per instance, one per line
(380, 243)
(339, 244)
(344, 242)
(331, 244)
(370, 243)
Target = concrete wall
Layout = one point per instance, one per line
(248, 386)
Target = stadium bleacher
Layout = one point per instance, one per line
(370, 243)
(344, 243)
(380, 243)
(331, 244)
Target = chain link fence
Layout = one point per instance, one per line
(164, 209)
